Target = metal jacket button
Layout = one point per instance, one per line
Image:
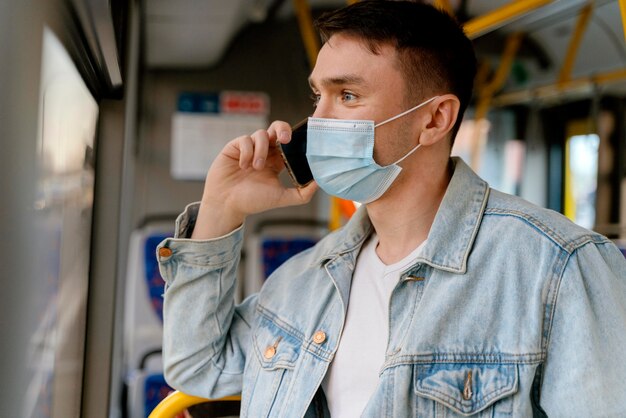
(319, 337)
(269, 352)
(165, 252)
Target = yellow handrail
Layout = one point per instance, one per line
(177, 402)
(492, 20)
(586, 83)
(583, 19)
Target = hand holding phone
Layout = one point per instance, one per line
(243, 180)
(294, 155)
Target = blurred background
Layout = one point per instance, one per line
(111, 112)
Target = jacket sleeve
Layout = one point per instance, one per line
(585, 369)
(205, 336)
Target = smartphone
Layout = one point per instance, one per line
(294, 155)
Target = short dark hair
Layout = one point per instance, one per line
(434, 53)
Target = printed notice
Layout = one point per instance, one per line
(198, 138)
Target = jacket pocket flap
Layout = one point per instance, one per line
(466, 388)
(275, 347)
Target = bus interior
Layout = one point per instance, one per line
(111, 112)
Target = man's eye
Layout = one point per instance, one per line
(347, 96)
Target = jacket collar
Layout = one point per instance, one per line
(452, 234)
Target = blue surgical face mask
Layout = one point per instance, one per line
(341, 155)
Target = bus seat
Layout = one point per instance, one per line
(143, 310)
(145, 391)
(272, 242)
(144, 384)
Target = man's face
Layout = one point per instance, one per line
(350, 82)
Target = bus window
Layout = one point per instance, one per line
(68, 117)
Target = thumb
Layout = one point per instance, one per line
(298, 196)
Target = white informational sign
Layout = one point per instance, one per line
(198, 137)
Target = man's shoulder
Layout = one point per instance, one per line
(534, 220)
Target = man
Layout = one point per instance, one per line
(440, 297)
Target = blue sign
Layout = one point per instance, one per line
(199, 102)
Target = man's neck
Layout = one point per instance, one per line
(403, 217)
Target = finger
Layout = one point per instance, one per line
(261, 144)
(307, 192)
(280, 130)
(246, 151)
(298, 196)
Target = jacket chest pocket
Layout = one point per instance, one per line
(276, 352)
(461, 389)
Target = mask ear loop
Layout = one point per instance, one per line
(406, 112)
(407, 155)
(399, 116)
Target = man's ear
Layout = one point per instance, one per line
(443, 112)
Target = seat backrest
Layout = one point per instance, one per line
(143, 310)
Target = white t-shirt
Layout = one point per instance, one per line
(352, 376)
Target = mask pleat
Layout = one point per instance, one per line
(341, 156)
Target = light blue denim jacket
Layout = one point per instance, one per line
(510, 309)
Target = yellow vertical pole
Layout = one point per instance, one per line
(569, 205)
(581, 25)
(487, 92)
(445, 6)
(335, 214)
(622, 7)
(482, 75)
(577, 127)
(305, 21)
(477, 145)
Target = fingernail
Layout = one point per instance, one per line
(259, 163)
(283, 135)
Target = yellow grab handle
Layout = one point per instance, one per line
(177, 402)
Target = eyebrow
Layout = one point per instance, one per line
(340, 80)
